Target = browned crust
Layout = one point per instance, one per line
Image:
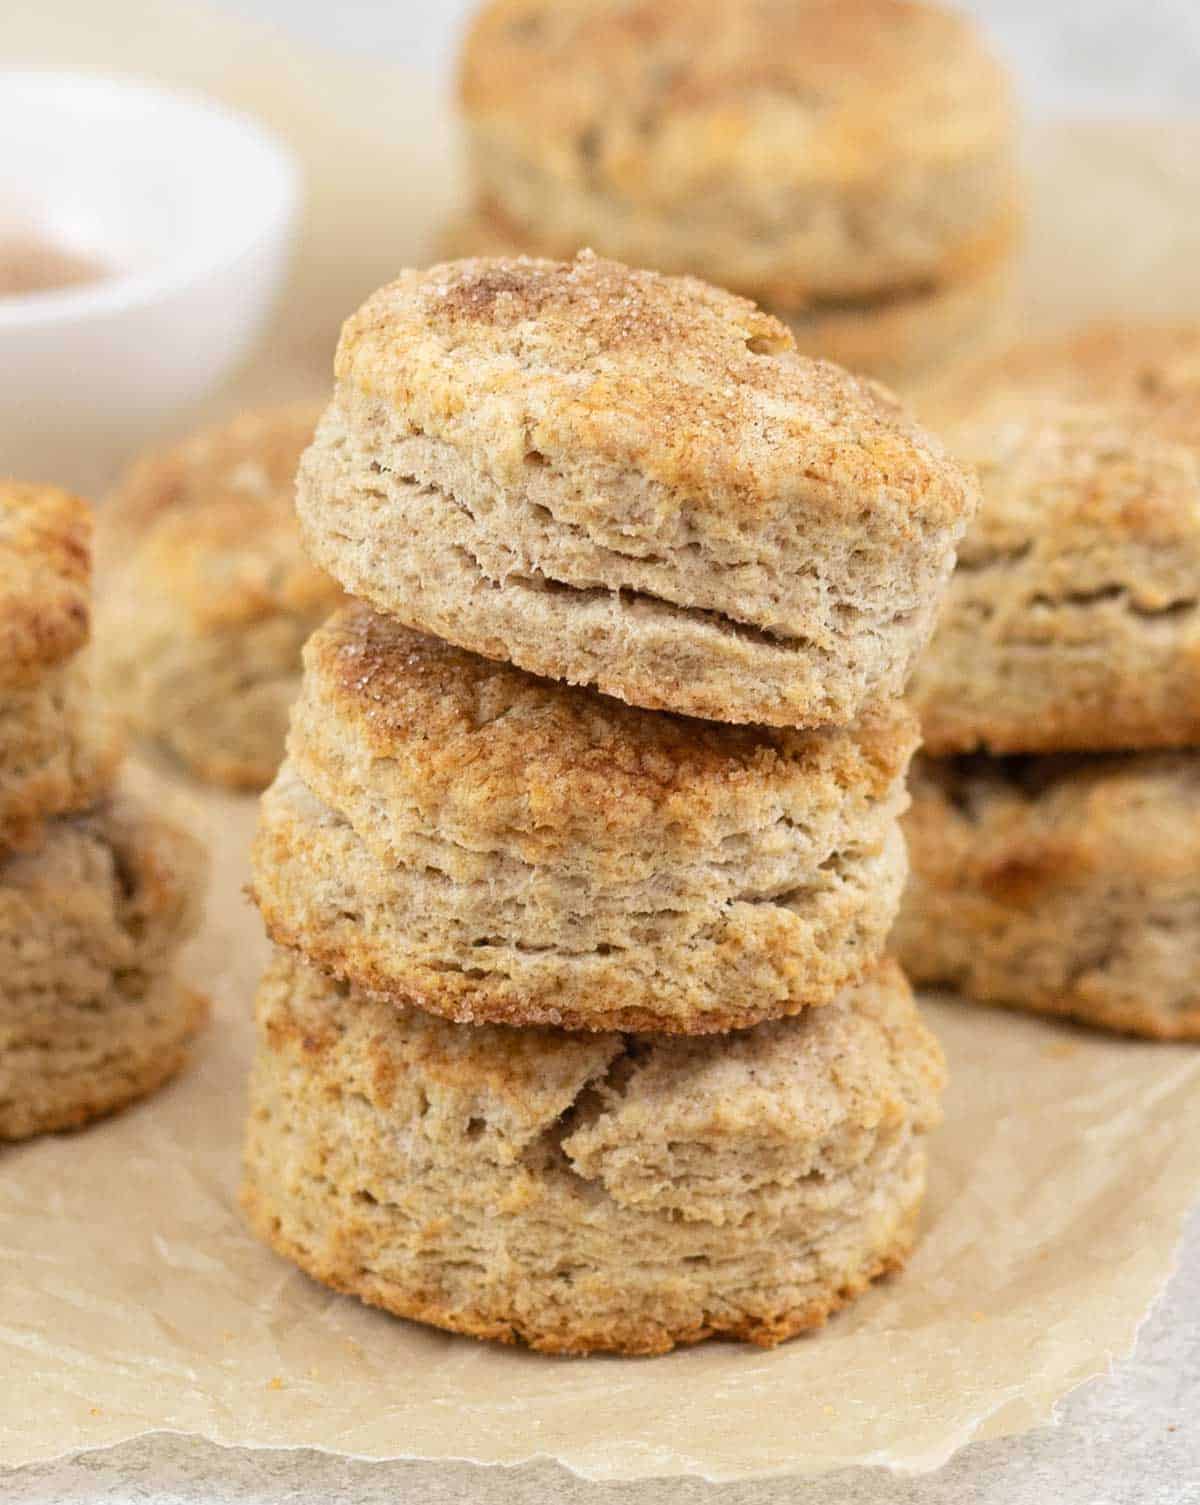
(632, 1338)
(562, 760)
(693, 388)
(45, 580)
(864, 59)
(1072, 622)
(93, 1102)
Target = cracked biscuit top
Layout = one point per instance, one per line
(1073, 619)
(45, 580)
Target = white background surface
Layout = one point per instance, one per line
(1072, 56)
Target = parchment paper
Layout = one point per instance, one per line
(132, 1300)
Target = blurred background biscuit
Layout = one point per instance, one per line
(847, 165)
(208, 596)
(457, 834)
(1072, 620)
(589, 1192)
(1055, 869)
(91, 1014)
(58, 750)
(631, 481)
(1065, 885)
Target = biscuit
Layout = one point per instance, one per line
(209, 596)
(91, 1017)
(806, 152)
(906, 340)
(1072, 621)
(1062, 885)
(58, 751)
(631, 481)
(589, 1192)
(458, 834)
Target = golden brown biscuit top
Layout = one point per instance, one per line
(465, 731)
(789, 91)
(1064, 478)
(690, 387)
(45, 579)
(212, 520)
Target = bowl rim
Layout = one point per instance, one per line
(276, 208)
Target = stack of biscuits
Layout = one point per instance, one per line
(208, 596)
(848, 164)
(96, 893)
(1055, 829)
(580, 1030)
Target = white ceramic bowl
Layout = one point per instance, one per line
(191, 205)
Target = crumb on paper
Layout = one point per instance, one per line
(275, 1384)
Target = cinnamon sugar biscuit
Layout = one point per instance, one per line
(633, 482)
(907, 339)
(589, 1192)
(91, 1016)
(458, 834)
(210, 597)
(1062, 885)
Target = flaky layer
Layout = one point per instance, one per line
(805, 150)
(1060, 885)
(100, 907)
(772, 920)
(589, 1192)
